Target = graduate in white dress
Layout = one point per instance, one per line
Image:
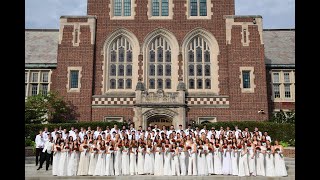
(63, 162)
(148, 165)
(182, 158)
(209, 157)
(73, 160)
(158, 159)
(101, 160)
(125, 166)
(234, 158)
(260, 152)
(84, 161)
(93, 157)
(175, 160)
(117, 157)
(167, 159)
(226, 158)
(217, 161)
(56, 157)
(279, 164)
(202, 162)
(109, 159)
(133, 158)
(270, 172)
(251, 158)
(192, 153)
(243, 160)
(140, 151)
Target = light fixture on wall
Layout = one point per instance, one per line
(254, 21)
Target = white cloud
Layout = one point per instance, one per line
(45, 14)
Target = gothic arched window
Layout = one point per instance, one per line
(159, 60)
(120, 71)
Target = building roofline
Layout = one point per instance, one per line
(279, 29)
(43, 30)
(88, 16)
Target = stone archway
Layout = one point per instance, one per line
(160, 120)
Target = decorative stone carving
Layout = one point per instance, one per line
(159, 97)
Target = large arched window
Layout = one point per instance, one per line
(159, 64)
(199, 73)
(120, 64)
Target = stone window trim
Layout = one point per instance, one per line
(209, 11)
(282, 84)
(28, 83)
(252, 77)
(211, 119)
(214, 64)
(76, 35)
(106, 59)
(113, 118)
(160, 17)
(133, 12)
(73, 68)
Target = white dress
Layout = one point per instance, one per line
(260, 162)
(117, 162)
(243, 164)
(140, 161)
(209, 159)
(148, 166)
(234, 162)
(217, 162)
(192, 165)
(73, 164)
(175, 164)
(84, 161)
(125, 167)
(226, 162)
(93, 162)
(133, 162)
(158, 162)
(182, 162)
(202, 163)
(55, 162)
(101, 164)
(63, 163)
(167, 163)
(252, 163)
(109, 163)
(270, 171)
(279, 165)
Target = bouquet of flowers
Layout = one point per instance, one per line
(279, 152)
(173, 141)
(163, 141)
(167, 147)
(95, 149)
(268, 151)
(249, 145)
(258, 150)
(76, 149)
(217, 145)
(178, 142)
(239, 146)
(85, 147)
(120, 147)
(210, 149)
(58, 148)
(189, 150)
(111, 150)
(200, 150)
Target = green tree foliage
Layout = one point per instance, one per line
(48, 108)
(283, 117)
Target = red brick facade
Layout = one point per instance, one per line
(242, 106)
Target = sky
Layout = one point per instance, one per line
(45, 14)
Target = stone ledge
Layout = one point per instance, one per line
(289, 152)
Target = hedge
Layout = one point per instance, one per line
(283, 132)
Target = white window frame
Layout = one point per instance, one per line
(160, 17)
(282, 85)
(209, 11)
(115, 118)
(252, 77)
(79, 68)
(131, 17)
(29, 73)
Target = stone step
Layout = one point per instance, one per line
(290, 162)
(289, 159)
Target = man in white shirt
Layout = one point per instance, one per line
(89, 130)
(179, 128)
(46, 153)
(267, 136)
(257, 130)
(155, 128)
(64, 133)
(115, 128)
(53, 134)
(237, 131)
(203, 129)
(39, 146)
(97, 132)
(131, 128)
(71, 132)
(188, 130)
(45, 134)
(82, 133)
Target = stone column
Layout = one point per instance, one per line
(181, 100)
(137, 119)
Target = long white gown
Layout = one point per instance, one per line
(84, 161)
(226, 162)
(158, 162)
(55, 162)
(217, 162)
(260, 162)
(252, 161)
(167, 163)
(93, 161)
(279, 164)
(117, 162)
(109, 162)
(243, 164)
(101, 164)
(140, 161)
(202, 163)
(72, 164)
(133, 162)
(209, 159)
(63, 163)
(175, 164)
(234, 162)
(148, 166)
(192, 165)
(182, 162)
(125, 166)
(270, 171)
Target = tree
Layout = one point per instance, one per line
(283, 117)
(48, 108)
